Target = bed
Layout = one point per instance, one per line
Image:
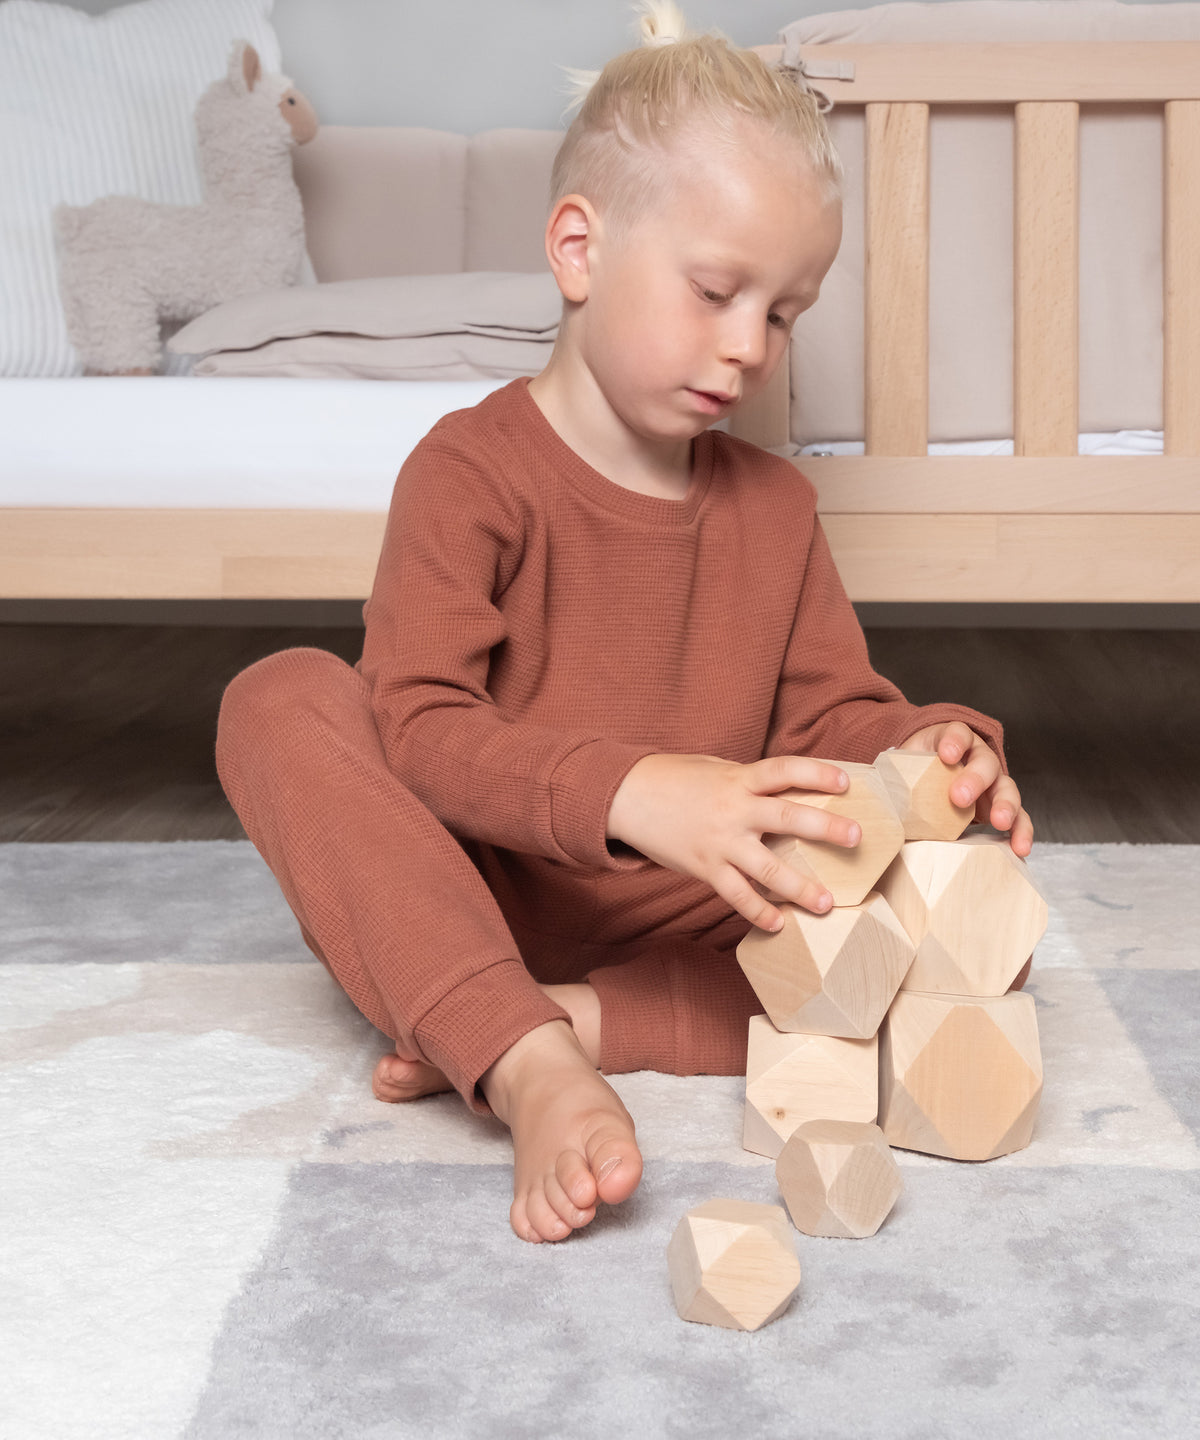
(1048, 512)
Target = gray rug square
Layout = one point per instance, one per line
(209, 1227)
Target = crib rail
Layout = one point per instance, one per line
(1139, 528)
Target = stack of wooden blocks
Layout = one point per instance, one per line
(890, 1018)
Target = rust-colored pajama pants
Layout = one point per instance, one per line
(445, 937)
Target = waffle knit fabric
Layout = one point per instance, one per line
(436, 814)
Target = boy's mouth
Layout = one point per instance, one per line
(713, 399)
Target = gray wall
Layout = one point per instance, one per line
(469, 65)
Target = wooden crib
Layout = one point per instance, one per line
(1044, 524)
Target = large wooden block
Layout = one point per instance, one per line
(794, 1078)
(838, 1178)
(970, 908)
(831, 974)
(918, 785)
(848, 874)
(733, 1263)
(959, 1075)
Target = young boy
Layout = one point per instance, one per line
(524, 832)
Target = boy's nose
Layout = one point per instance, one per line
(745, 343)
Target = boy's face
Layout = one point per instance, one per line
(689, 312)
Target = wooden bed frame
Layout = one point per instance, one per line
(1044, 524)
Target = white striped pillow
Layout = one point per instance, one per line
(91, 106)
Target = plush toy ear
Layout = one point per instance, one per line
(245, 68)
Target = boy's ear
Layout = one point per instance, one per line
(569, 230)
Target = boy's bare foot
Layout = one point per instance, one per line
(397, 1078)
(573, 1139)
(402, 1075)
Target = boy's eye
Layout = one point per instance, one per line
(714, 296)
(780, 323)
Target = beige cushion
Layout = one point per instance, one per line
(363, 357)
(971, 224)
(450, 327)
(382, 200)
(392, 200)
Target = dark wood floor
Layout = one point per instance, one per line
(107, 730)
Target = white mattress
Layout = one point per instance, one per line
(179, 441)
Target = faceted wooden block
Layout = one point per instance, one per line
(838, 1178)
(918, 786)
(733, 1263)
(794, 1078)
(959, 1075)
(970, 908)
(847, 874)
(831, 974)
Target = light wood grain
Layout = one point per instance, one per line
(831, 974)
(896, 353)
(794, 1078)
(838, 1178)
(972, 910)
(993, 72)
(1046, 279)
(733, 1263)
(919, 788)
(847, 872)
(1181, 278)
(959, 1076)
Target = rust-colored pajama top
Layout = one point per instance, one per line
(436, 814)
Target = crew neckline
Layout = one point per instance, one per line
(587, 479)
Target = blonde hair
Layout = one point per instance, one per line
(648, 98)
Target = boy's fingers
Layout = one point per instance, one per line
(792, 817)
(794, 772)
(978, 775)
(955, 742)
(1021, 838)
(783, 883)
(731, 885)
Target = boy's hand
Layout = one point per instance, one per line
(703, 816)
(996, 798)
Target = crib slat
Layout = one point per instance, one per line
(896, 361)
(989, 72)
(1181, 277)
(1046, 279)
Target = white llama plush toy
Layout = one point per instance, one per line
(125, 263)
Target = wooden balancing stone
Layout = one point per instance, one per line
(733, 1263)
(791, 1078)
(838, 1178)
(848, 874)
(960, 1075)
(918, 786)
(831, 974)
(971, 910)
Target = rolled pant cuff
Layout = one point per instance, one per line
(469, 1028)
(637, 1027)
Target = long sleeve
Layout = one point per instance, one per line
(436, 635)
(830, 702)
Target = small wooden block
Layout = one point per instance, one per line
(919, 787)
(838, 1178)
(960, 1075)
(733, 1263)
(970, 908)
(847, 874)
(831, 974)
(794, 1078)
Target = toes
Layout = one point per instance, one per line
(562, 1204)
(576, 1181)
(545, 1221)
(616, 1162)
(519, 1220)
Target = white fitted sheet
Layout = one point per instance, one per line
(178, 441)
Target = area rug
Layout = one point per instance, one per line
(210, 1228)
